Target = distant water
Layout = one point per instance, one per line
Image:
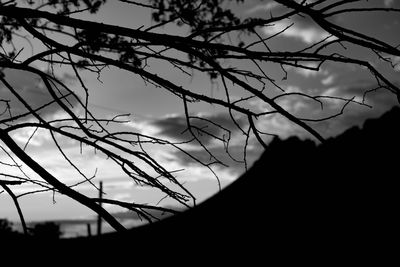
(78, 230)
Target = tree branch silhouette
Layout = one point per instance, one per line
(5, 185)
(81, 46)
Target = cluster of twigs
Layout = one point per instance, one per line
(92, 46)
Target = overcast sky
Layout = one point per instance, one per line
(157, 112)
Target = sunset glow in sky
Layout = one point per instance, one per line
(154, 111)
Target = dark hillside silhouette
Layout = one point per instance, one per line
(298, 195)
(338, 197)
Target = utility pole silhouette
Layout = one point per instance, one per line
(89, 230)
(99, 221)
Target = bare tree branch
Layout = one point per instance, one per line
(219, 44)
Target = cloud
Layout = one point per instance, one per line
(212, 126)
(325, 76)
(328, 80)
(380, 100)
(304, 28)
(173, 128)
(35, 137)
(367, 92)
(29, 86)
(40, 139)
(395, 62)
(123, 196)
(388, 3)
(262, 7)
(306, 72)
(307, 34)
(354, 114)
(271, 5)
(310, 70)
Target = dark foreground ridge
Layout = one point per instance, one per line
(336, 197)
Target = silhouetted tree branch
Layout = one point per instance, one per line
(90, 46)
(5, 185)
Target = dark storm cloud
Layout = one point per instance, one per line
(31, 89)
(215, 126)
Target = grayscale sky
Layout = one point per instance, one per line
(157, 112)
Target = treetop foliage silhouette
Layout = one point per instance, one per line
(89, 46)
